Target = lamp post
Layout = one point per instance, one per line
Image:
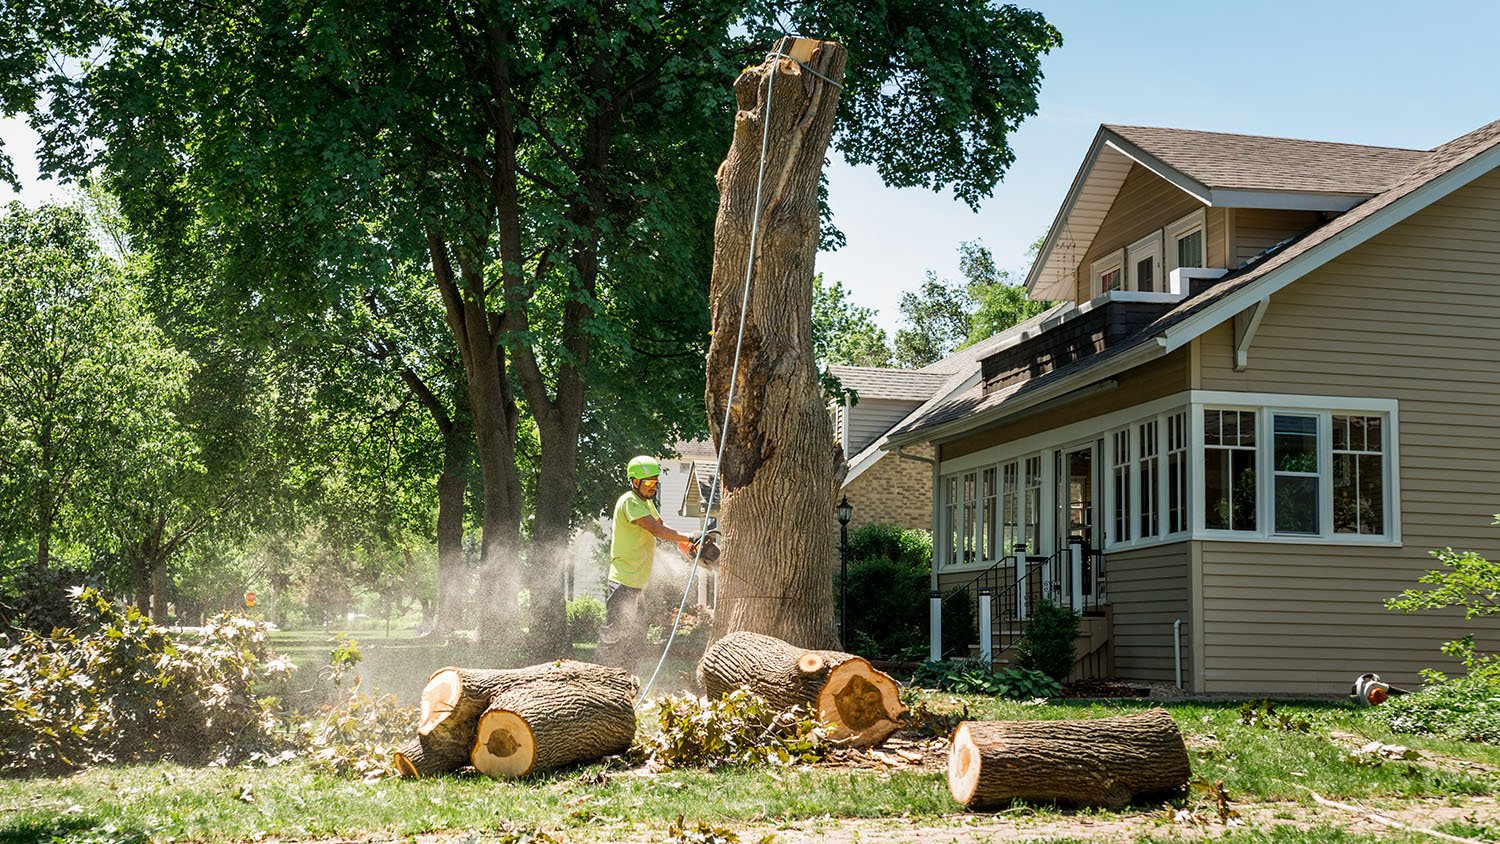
(845, 510)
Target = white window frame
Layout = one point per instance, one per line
(1113, 261)
(1164, 533)
(1192, 403)
(1266, 406)
(1147, 247)
(1177, 230)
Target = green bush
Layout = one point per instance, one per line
(1046, 644)
(972, 676)
(960, 622)
(585, 617)
(117, 688)
(1465, 708)
(890, 576)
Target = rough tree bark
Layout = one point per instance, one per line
(840, 688)
(454, 699)
(781, 468)
(1104, 762)
(550, 723)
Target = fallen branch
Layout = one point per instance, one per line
(1382, 819)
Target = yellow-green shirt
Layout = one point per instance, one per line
(632, 546)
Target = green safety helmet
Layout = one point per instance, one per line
(643, 467)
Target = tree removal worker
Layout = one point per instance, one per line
(638, 524)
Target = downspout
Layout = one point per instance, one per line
(1177, 649)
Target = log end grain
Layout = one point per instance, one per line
(506, 745)
(864, 703)
(439, 697)
(810, 662)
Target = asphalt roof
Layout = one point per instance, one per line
(1432, 165)
(1255, 162)
(879, 383)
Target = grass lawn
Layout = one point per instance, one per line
(1264, 768)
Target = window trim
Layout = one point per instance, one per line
(1147, 247)
(1113, 261)
(1177, 230)
(1266, 406)
(1163, 535)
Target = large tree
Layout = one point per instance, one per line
(552, 158)
(844, 333)
(90, 388)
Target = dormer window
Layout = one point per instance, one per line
(1143, 259)
(1185, 242)
(1109, 272)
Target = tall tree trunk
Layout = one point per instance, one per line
(159, 591)
(496, 417)
(548, 637)
(781, 468)
(450, 531)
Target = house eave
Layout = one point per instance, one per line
(1003, 412)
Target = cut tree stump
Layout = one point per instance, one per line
(550, 723)
(455, 698)
(841, 689)
(1104, 762)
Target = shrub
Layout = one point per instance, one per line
(890, 575)
(972, 676)
(117, 688)
(1466, 708)
(1470, 582)
(585, 617)
(1046, 644)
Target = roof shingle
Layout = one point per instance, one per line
(1254, 162)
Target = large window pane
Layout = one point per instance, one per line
(1150, 475)
(1296, 504)
(1120, 474)
(1177, 474)
(1032, 533)
(1296, 471)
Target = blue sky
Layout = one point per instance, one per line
(1396, 74)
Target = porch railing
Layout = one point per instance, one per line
(999, 598)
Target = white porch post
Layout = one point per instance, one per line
(986, 627)
(935, 649)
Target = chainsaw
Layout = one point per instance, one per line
(705, 548)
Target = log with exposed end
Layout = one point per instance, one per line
(1104, 762)
(552, 723)
(417, 759)
(455, 698)
(840, 688)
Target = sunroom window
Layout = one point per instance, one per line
(1358, 475)
(1296, 472)
(1229, 493)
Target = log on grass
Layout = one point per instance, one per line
(553, 723)
(842, 689)
(455, 698)
(1104, 762)
(416, 759)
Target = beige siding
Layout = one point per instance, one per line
(1149, 590)
(1409, 315)
(1258, 229)
(1146, 203)
(1142, 384)
(871, 418)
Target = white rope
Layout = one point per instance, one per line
(760, 180)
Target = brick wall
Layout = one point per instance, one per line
(894, 491)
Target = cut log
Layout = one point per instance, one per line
(552, 723)
(455, 698)
(415, 759)
(842, 689)
(1104, 762)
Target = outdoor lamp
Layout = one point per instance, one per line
(845, 511)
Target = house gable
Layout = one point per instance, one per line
(1408, 315)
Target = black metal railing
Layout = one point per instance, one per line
(1013, 594)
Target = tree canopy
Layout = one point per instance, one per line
(550, 162)
(943, 316)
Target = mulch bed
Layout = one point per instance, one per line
(1102, 688)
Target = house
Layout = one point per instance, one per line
(1273, 389)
